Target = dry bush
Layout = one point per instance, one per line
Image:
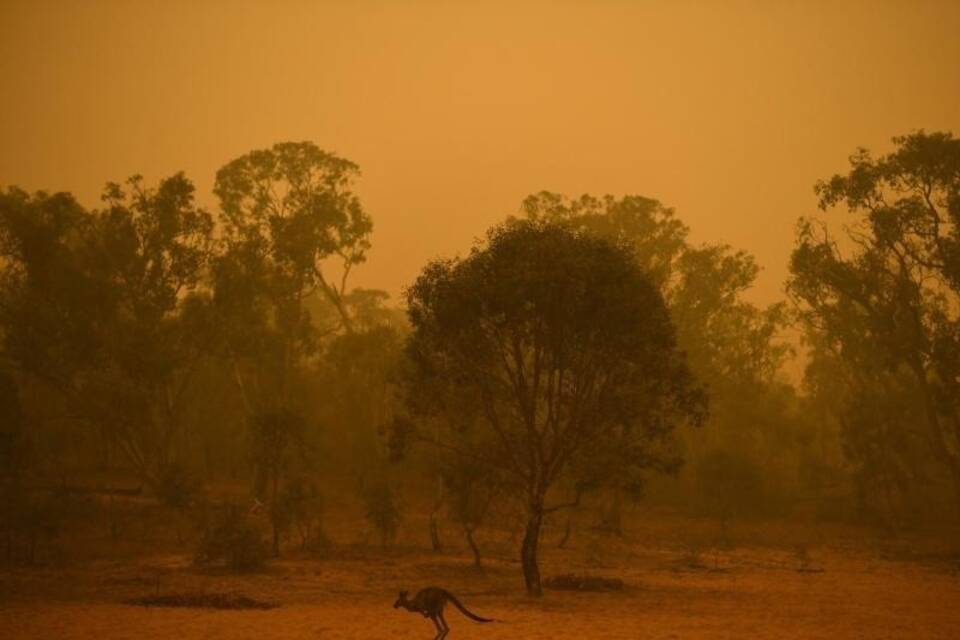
(176, 487)
(229, 538)
(382, 511)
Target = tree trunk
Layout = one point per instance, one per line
(612, 520)
(528, 551)
(438, 503)
(956, 486)
(933, 419)
(567, 530)
(435, 532)
(274, 516)
(468, 531)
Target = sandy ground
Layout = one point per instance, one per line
(741, 593)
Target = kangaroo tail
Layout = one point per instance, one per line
(464, 611)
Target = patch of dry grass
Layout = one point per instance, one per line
(861, 589)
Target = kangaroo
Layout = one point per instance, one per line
(429, 603)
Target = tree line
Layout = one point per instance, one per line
(585, 350)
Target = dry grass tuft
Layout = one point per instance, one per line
(571, 582)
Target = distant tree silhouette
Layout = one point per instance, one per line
(732, 346)
(886, 297)
(289, 214)
(278, 442)
(102, 308)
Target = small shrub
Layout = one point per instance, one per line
(176, 487)
(300, 507)
(382, 511)
(231, 539)
(733, 485)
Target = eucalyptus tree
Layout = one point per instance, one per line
(892, 279)
(658, 238)
(293, 231)
(554, 347)
(874, 408)
(733, 346)
(102, 308)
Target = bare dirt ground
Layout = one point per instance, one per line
(767, 585)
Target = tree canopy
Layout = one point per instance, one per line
(552, 344)
(883, 298)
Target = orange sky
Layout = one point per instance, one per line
(728, 111)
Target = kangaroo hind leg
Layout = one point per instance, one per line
(440, 628)
(446, 627)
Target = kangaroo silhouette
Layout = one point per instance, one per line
(429, 603)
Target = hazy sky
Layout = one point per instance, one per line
(727, 111)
